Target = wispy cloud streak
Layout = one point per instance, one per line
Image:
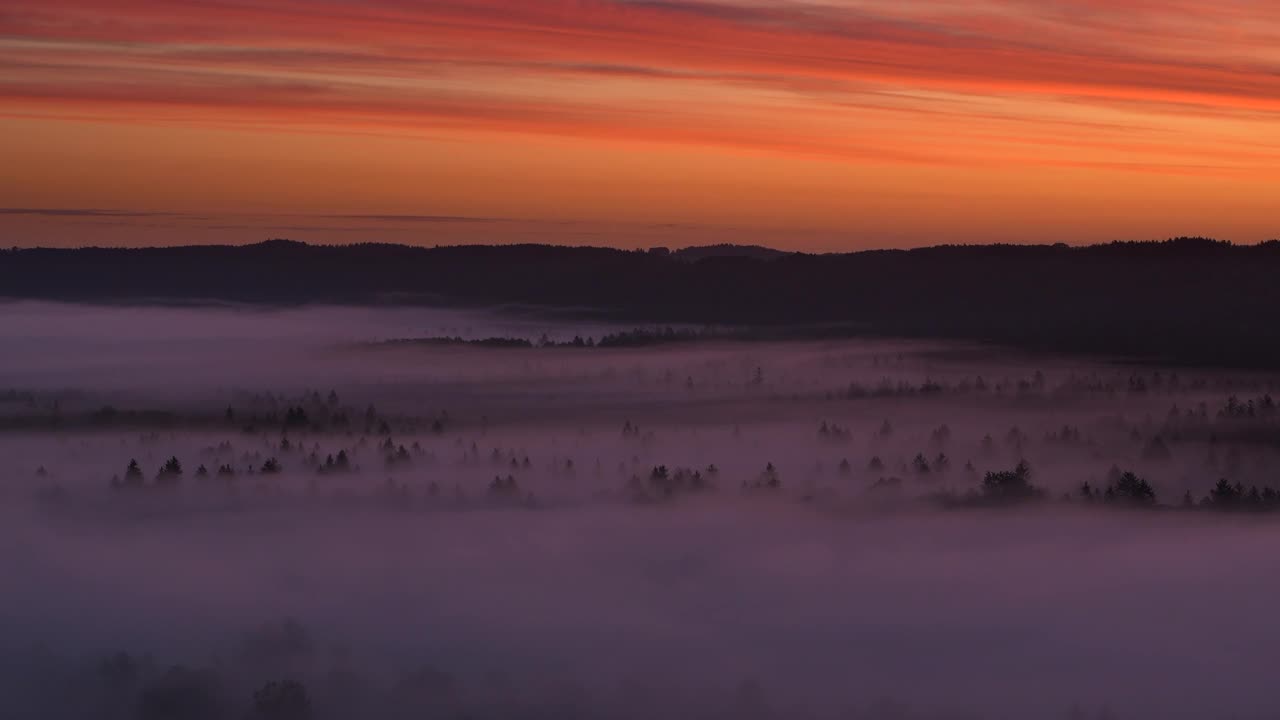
(1169, 91)
(670, 71)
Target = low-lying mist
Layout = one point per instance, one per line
(239, 512)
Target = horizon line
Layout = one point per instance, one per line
(660, 249)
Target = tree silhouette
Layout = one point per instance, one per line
(133, 475)
(920, 464)
(296, 417)
(769, 479)
(1010, 486)
(942, 463)
(504, 488)
(170, 474)
(1225, 496)
(1132, 490)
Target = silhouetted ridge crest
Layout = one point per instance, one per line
(1188, 299)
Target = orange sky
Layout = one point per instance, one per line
(823, 125)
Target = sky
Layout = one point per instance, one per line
(802, 124)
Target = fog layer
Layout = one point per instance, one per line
(200, 502)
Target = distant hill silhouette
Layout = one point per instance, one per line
(1189, 300)
(702, 252)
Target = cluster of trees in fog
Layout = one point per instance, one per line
(306, 420)
(318, 412)
(998, 488)
(1122, 489)
(638, 337)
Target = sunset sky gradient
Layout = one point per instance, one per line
(820, 125)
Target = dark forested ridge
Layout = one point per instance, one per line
(1187, 300)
